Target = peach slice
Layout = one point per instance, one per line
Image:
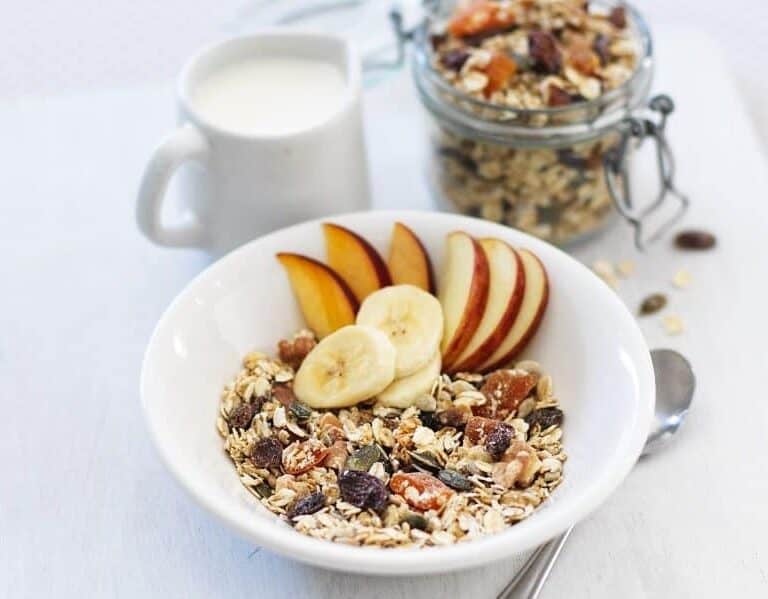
(505, 295)
(326, 301)
(463, 292)
(356, 261)
(408, 260)
(528, 318)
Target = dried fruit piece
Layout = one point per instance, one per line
(500, 70)
(454, 417)
(505, 390)
(293, 352)
(307, 505)
(545, 417)
(479, 429)
(429, 419)
(367, 456)
(283, 394)
(455, 480)
(601, 47)
(497, 441)
(618, 17)
(581, 57)
(481, 17)
(299, 457)
(695, 240)
(454, 59)
(542, 47)
(422, 491)
(241, 416)
(267, 453)
(557, 96)
(363, 490)
(653, 303)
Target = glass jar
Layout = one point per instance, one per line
(559, 173)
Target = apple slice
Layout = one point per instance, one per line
(326, 301)
(528, 318)
(463, 292)
(356, 261)
(505, 295)
(408, 261)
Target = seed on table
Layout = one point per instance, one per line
(695, 239)
(653, 303)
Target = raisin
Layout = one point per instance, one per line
(454, 59)
(429, 419)
(545, 417)
(455, 480)
(422, 491)
(600, 46)
(307, 505)
(454, 418)
(618, 17)
(695, 240)
(241, 416)
(437, 40)
(267, 453)
(363, 490)
(498, 440)
(557, 96)
(542, 47)
(653, 303)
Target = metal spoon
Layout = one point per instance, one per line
(675, 383)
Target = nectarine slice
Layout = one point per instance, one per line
(505, 295)
(355, 260)
(408, 262)
(325, 300)
(529, 317)
(463, 292)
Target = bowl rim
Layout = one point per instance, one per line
(276, 536)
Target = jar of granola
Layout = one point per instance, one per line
(535, 107)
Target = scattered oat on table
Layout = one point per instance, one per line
(607, 272)
(673, 324)
(682, 279)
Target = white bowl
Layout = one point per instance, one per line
(589, 342)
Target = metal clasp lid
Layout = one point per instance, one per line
(616, 167)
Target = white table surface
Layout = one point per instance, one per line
(87, 510)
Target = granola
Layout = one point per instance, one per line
(475, 455)
(531, 55)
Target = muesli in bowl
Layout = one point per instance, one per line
(401, 418)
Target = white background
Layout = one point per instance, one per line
(86, 510)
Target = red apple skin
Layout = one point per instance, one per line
(379, 266)
(485, 350)
(431, 286)
(473, 309)
(532, 329)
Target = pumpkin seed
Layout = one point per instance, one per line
(455, 480)
(367, 456)
(264, 490)
(301, 410)
(424, 460)
(415, 521)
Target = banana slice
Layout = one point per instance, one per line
(411, 318)
(402, 393)
(348, 366)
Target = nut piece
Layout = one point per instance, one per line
(421, 490)
(337, 456)
(302, 457)
(519, 466)
(293, 352)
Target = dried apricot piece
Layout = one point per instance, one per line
(302, 457)
(505, 390)
(479, 17)
(500, 70)
(581, 57)
(421, 490)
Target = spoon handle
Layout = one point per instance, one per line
(529, 581)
